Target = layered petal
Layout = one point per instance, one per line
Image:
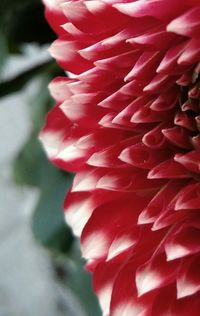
(127, 122)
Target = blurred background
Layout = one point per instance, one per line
(41, 271)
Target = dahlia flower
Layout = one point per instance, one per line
(127, 122)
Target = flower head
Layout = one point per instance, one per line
(127, 123)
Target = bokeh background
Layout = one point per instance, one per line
(41, 270)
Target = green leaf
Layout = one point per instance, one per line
(48, 224)
(28, 166)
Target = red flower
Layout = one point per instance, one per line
(127, 122)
